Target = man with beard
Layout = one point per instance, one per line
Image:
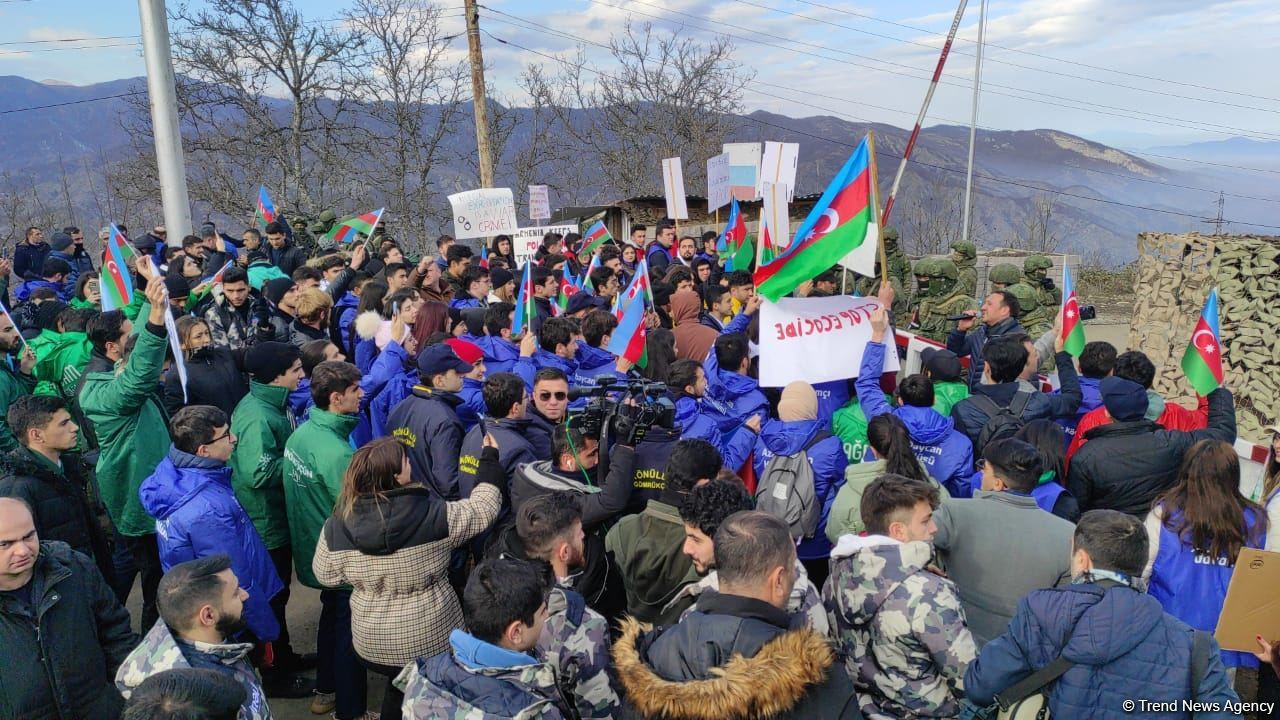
(575, 638)
(687, 249)
(201, 612)
(709, 505)
(16, 377)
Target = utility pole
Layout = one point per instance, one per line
(163, 98)
(478, 94)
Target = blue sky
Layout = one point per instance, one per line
(1189, 69)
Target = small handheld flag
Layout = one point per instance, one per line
(266, 211)
(1072, 327)
(1202, 361)
(345, 231)
(217, 277)
(524, 302)
(114, 279)
(567, 290)
(628, 339)
(596, 236)
(733, 238)
(584, 282)
(484, 257)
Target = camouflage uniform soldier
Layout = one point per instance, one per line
(1002, 276)
(301, 237)
(923, 303)
(899, 264)
(1033, 316)
(323, 224)
(1036, 272)
(965, 256)
(946, 300)
(870, 286)
(576, 641)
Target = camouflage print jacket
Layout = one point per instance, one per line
(160, 651)
(456, 685)
(933, 316)
(576, 641)
(805, 599)
(899, 628)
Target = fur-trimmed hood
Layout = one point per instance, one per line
(770, 684)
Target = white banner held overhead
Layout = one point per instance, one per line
(778, 166)
(673, 187)
(816, 339)
(525, 241)
(719, 188)
(483, 213)
(539, 203)
(776, 214)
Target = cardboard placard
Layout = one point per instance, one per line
(718, 186)
(539, 203)
(778, 166)
(483, 213)
(815, 339)
(744, 169)
(525, 241)
(673, 189)
(1252, 607)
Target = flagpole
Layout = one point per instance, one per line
(875, 206)
(924, 109)
(973, 118)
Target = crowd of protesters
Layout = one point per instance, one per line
(367, 425)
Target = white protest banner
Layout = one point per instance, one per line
(673, 187)
(862, 259)
(718, 186)
(816, 339)
(778, 166)
(539, 203)
(525, 241)
(483, 213)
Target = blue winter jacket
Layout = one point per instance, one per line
(499, 355)
(197, 515)
(346, 309)
(1091, 398)
(528, 367)
(300, 402)
(23, 293)
(827, 459)
(472, 407)
(467, 303)
(731, 398)
(831, 397)
(970, 344)
(593, 363)
(946, 453)
(694, 423)
(1123, 644)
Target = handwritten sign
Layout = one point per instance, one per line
(525, 241)
(483, 213)
(673, 186)
(816, 339)
(539, 203)
(718, 185)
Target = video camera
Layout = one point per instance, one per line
(624, 409)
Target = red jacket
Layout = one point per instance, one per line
(1173, 417)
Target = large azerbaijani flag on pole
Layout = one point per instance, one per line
(345, 231)
(114, 278)
(1072, 328)
(1202, 361)
(842, 220)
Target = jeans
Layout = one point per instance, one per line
(338, 669)
(393, 699)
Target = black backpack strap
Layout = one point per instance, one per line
(1199, 660)
(1018, 405)
(817, 438)
(1033, 683)
(986, 405)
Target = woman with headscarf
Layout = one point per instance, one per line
(693, 339)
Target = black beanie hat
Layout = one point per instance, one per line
(177, 286)
(276, 289)
(267, 361)
(47, 314)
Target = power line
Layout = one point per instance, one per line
(72, 102)
(1041, 55)
(897, 156)
(136, 43)
(75, 39)
(1097, 108)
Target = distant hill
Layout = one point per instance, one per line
(1013, 168)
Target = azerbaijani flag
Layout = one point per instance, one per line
(568, 288)
(597, 235)
(1202, 362)
(217, 276)
(842, 220)
(524, 301)
(1072, 327)
(638, 285)
(266, 212)
(584, 282)
(768, 248)
(345, 231)
(628, 339)
(114, 279)
(732, 239)
(484, 256)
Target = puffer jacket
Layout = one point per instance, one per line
(1090, 398)
(528, 367)
(60, 499)
(499, 355)
(1123, 646)
(428, 425)
(1125, 465)
(23, 292)
(946, 454)
(394, 553)
(845, 517)
(231, 327)
(472, 407)
(899, 628)
(514, 450)
(970, 345)
(733, 657)
(731, 398)
(827, 459)
(695, 424)
(831, 397)
(1167, 415)
(59, 662)
(593, 363)
(287, 258)
(197, 516)
(970, 417)
(60, 360)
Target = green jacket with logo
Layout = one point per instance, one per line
(315, 459)
(262, 426)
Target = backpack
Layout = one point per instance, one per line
(786, 490)
(1002, 422)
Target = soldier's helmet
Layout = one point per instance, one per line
(922, 270)
(965, 249)
(1036, 263)
(327, 216)
(1004, 274)
(890, 234)
(942, 276)
(1028, 301)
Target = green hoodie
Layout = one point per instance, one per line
(850, 425)
(132, 430)
(13, 384)
(60, 359)
(261, 425)
(315, 459)
(947, 394)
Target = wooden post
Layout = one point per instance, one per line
(478, 94)
(875, 207)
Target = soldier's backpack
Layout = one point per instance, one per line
(1002, 422)
(786, 490)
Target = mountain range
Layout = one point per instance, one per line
(1101, 197)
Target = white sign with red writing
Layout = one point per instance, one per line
(525, 241)
(817, 339)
